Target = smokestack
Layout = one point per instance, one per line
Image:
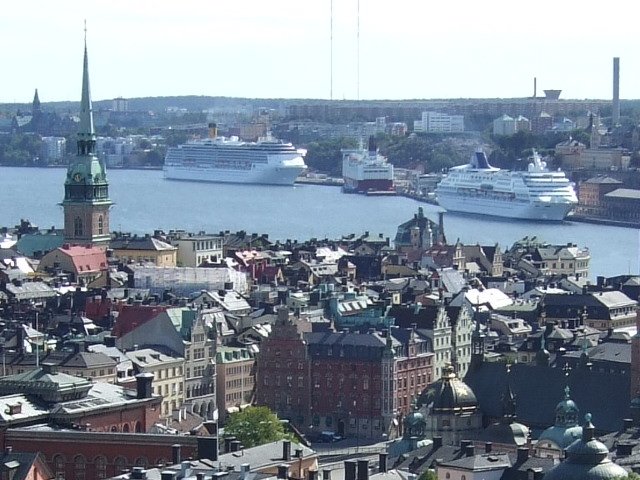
(535, 87)
(615, 116)
(143, 385)
(213, 130)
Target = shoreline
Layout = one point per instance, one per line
(602, 221)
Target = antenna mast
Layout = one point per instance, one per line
(331, 52)
(358, 57)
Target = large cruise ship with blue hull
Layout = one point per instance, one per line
(535, 194)
(231, 160)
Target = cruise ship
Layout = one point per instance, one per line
(366, 171)
(535, 194)
(230, 160)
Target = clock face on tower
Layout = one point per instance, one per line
(77, 177)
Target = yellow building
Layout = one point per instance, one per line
(144, 250)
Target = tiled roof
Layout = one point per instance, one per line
(85, 259)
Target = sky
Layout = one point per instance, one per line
(408, 49)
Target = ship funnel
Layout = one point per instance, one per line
(372, 144)
(213, 130)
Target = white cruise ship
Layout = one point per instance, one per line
(230, 160)
(534, 194)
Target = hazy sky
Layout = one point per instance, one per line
(281, 48)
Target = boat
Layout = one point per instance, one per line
(535, 194)
(231, 160)
(366, 171)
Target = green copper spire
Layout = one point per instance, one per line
(86, 131)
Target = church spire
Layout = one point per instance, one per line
(86, 132)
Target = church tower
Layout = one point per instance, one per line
(86, 190)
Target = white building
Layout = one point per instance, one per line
(194, 250)
(120, 104)
(53, 148)
(436, 122)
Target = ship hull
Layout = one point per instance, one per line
(258, 174)
(541, 211)
(363, 186)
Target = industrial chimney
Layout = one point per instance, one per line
(615, 115)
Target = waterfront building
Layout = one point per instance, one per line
(437, 122)
(591, 194)
(86, 200)
(53, 149)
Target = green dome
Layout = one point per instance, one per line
(587, 459)
(562, 437)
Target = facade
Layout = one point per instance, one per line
(436, 122)
(194, 250)
(53, 149)
(86, 200)
(144, 250)
(168, 377)
(85, 263)
(591, 194)
(235, 379)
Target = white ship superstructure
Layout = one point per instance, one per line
(535, 194)
(366, 170)
(231, 160)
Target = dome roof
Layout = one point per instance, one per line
(587, 459)
(562, 437)
(449, 394)
(506, 433)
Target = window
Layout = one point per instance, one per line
(79, 467)
(77, 227)
(100, 225)
(101, 467)
(58, 466)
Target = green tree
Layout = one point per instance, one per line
(428, 475)
(255, 426)
(325, 156)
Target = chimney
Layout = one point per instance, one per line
(138, 473)
(8, 449)
(312, 474)
(350, 470)
(535, 473)
(235, 445)
(244, 471)
(535, 87)
(627, 424)
(615, 114)
(523, 454)
(298, 453)
(363, 470)
(208, 448)
(286, 450)
(624, 449)
(175, 454)
(227, 444)
(437, 442)
(143, 385)
(464, 444)
(382, 462)
(283, 472)
(168, 475)
(326, 474)
(470, 450)
(110, 341)
(488, 446)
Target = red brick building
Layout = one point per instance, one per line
(355, 384)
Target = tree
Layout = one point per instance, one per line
(254, 426)
(428, 475)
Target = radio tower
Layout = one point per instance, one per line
(358, 56)
(331, 53)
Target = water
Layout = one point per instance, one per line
(144, 201)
